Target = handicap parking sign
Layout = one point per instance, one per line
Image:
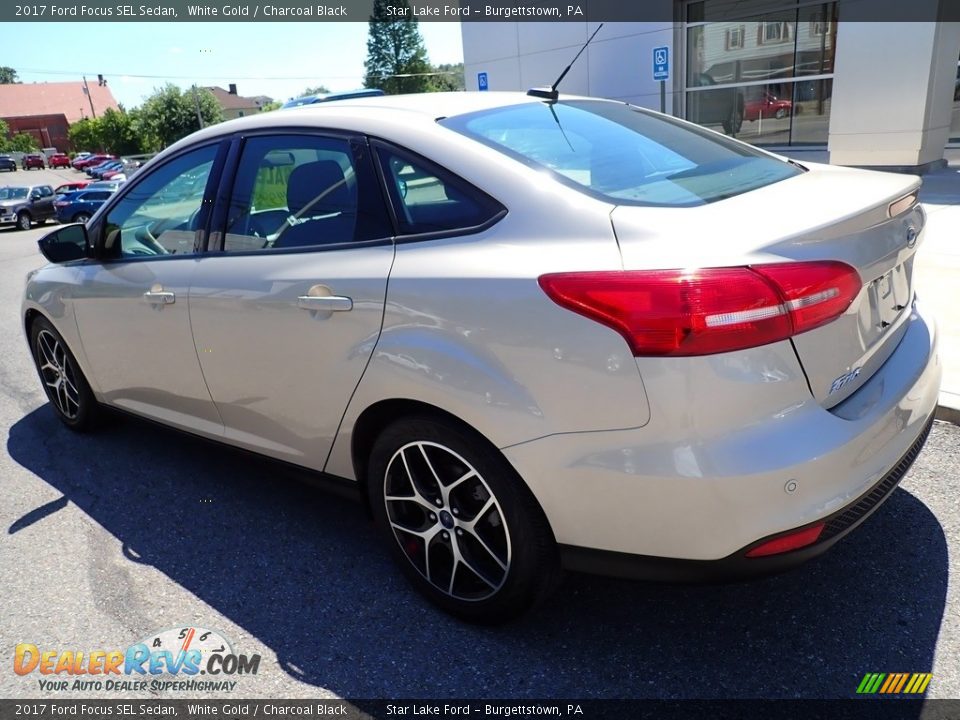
(661, 63)
(482, 81)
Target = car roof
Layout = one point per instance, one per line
(368, 114)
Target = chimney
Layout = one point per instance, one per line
(233, 88)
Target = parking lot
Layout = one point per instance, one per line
(111, 537)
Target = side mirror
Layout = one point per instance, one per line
(66, 243)
(34, 196)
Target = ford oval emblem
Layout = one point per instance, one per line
(911, 236)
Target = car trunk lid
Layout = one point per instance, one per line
(828, 213)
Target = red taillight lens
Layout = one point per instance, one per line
(785, 543)
(708, 310)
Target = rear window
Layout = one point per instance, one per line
(624, 154)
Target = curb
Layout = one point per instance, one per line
(948, 414)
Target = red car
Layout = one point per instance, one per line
(33, 161)
(768, 105)
(58, 160)
(70, 187)
(90, 160)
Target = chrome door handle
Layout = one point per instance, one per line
(325, 303)
(159, 297)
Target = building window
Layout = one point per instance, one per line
(735, 38)
(774, 32)
(763, 78)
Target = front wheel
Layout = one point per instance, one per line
(464, 528)
(81, 217)
(23, 220)
(66, 387)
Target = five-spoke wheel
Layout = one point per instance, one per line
(465, 529)
(64, 383)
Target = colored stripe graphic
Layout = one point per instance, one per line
(894, 683)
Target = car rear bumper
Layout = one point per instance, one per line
(630, 502)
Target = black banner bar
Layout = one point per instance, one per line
(872, 708)
(436, 10)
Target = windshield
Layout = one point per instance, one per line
(13, 193)
(624, 154)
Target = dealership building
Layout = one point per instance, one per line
(774, 73)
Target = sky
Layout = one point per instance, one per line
(275, 59)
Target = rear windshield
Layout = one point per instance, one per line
(624, 154)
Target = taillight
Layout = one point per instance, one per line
(708, 310)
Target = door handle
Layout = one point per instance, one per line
(159, 297)
(325, 303)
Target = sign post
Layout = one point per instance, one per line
(483, 82)
(661, 72)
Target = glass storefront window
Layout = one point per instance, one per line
(759, 70)
(955, 118)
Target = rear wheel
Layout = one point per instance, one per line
(66, 387)
(781, 113)
(23, 220)
(464, 528)
(81, 217)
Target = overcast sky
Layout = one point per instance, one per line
(275, 59)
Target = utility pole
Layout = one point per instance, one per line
(86, 90)
(196, 102)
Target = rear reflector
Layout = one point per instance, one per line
(785, 543)
(709, 310)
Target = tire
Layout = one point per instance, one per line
(487, 569)
(67, 389)
(23, 220)
(81, 217)
(780, 114)
(734, 121)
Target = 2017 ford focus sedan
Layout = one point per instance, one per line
(534, 333)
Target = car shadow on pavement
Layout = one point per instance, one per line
(304, 572)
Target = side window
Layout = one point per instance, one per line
(303, 191)
(429, 200)
(161, 214)
(46, 191)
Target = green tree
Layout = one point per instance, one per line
(171, 114)
(4, 136)
(448, 78)
(396, 57)
(21, 142)
(86, 135)
(273, 105)
(318, 90)
(118, 134)
(8, 76)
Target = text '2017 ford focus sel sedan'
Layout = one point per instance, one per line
(535, 333)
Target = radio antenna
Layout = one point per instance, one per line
(550, 93)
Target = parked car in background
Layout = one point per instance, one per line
(34, 161)
(70, 187)
(8, 163)
(528, 332)
(722, 106)
(99, 171)
(58, 160)
(766, 106)
(24, 205)
(104, 185)
(79, 206)
(330, 97)
(90, 161)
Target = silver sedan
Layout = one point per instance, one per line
(533, 333)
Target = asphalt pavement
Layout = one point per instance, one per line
(107, 538)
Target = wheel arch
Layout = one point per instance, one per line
(377, 417)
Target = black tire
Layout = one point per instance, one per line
(23, 220)
(55, 362)
(487, 569)
(734, 121)
(81, 217)
(781, 113)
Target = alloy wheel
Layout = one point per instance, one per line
(23, 221)
(447, 521)
(58, 374)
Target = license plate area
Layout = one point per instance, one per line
(889, 297)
